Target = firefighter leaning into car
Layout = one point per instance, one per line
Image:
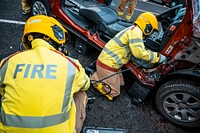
(118, 50)
(130, 10)
(26, 7)
(42, 90)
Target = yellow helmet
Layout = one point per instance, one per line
(46, 27)
(148, 22)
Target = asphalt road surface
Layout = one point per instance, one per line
(120, 113)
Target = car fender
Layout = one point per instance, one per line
(190, 73)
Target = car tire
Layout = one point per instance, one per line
(40, 7)
(179, 102)
(173, 3)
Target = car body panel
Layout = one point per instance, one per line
(171, 49)
(180, 43)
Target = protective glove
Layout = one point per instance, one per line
(162, 59)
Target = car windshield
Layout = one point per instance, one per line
(196, 17)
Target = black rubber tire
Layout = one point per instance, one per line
(177, 88)
(44, 3)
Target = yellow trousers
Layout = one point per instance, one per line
(114, 82)
(130, 10)
(81, 100)
(26, 6)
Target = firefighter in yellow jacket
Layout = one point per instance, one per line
(118, 50)
(42, 90)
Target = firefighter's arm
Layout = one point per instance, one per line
(82, 81)
(138, 49)
(140, 52)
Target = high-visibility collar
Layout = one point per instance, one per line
(40, 42)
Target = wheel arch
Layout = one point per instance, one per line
(181, 74)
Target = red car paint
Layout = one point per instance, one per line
(182, 48)
(171, 49)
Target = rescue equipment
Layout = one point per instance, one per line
(136, 100)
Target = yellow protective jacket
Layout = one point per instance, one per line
(129, 41)
(37, 88)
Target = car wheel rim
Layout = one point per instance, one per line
(182, 107)
(39, 8)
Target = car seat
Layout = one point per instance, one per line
(105, 18)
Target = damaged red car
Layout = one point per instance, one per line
(174, 83)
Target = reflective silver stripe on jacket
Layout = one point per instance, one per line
(138, 40)
(126, 47)
(43, 121)
(33, 122)
(115, 56)
(117, 41)
(135, 40)
(3, 72)
(151, 56)
(70, 78)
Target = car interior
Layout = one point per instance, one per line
(173, 17)
(97, 17)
